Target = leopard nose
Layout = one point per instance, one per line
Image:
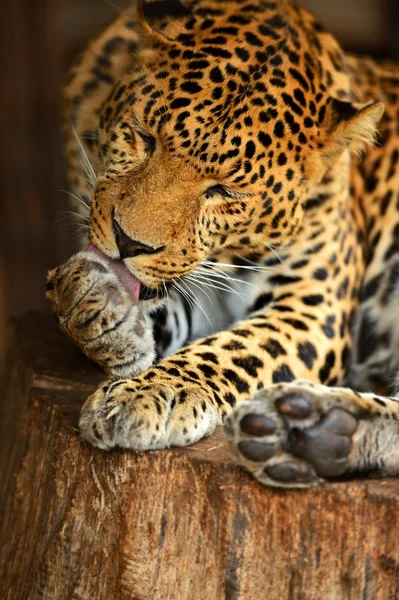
(128, 248)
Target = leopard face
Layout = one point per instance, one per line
(217, 137)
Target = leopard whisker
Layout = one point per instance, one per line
(67, 217)
(92, 177)
(76, 214)
(217, 273)
(90, 137)
(78, 198)
(221, 286)
(230, 265)
(81, 226)
(196, 284)
(194, 299)
(166, 294)
(183, 293)
(76, 236)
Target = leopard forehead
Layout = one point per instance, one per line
(223, 88)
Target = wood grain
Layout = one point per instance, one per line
(177, 524)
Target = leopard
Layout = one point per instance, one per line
(237, 174)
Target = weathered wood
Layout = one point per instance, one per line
(179, 524)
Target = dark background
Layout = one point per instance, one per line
(39, 38)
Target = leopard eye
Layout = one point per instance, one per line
(217, 190)
(149, 142)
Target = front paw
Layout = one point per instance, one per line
(95, 310)
(130, 414)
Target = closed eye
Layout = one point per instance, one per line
(218, 190)
(149, 142)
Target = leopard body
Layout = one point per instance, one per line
(222, 144)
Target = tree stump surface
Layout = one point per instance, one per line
(177, 524)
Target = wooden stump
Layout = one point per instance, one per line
(177, 524)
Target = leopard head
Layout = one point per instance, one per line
(219, 134)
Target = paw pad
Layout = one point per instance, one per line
(256, 451)
(257, 425)
(327, 444)
(290, 471)
(294, 406)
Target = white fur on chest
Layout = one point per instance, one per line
(217, 309)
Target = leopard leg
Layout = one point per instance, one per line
(300, 434)
(94, 309)
(142, 416)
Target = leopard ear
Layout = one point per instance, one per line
(151, 10)
(352, 126)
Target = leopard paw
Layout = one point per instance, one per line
(130, 414)
(293, 435)
(95, 310)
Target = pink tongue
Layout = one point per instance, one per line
(131, 284)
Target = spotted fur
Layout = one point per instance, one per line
(224, 139)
